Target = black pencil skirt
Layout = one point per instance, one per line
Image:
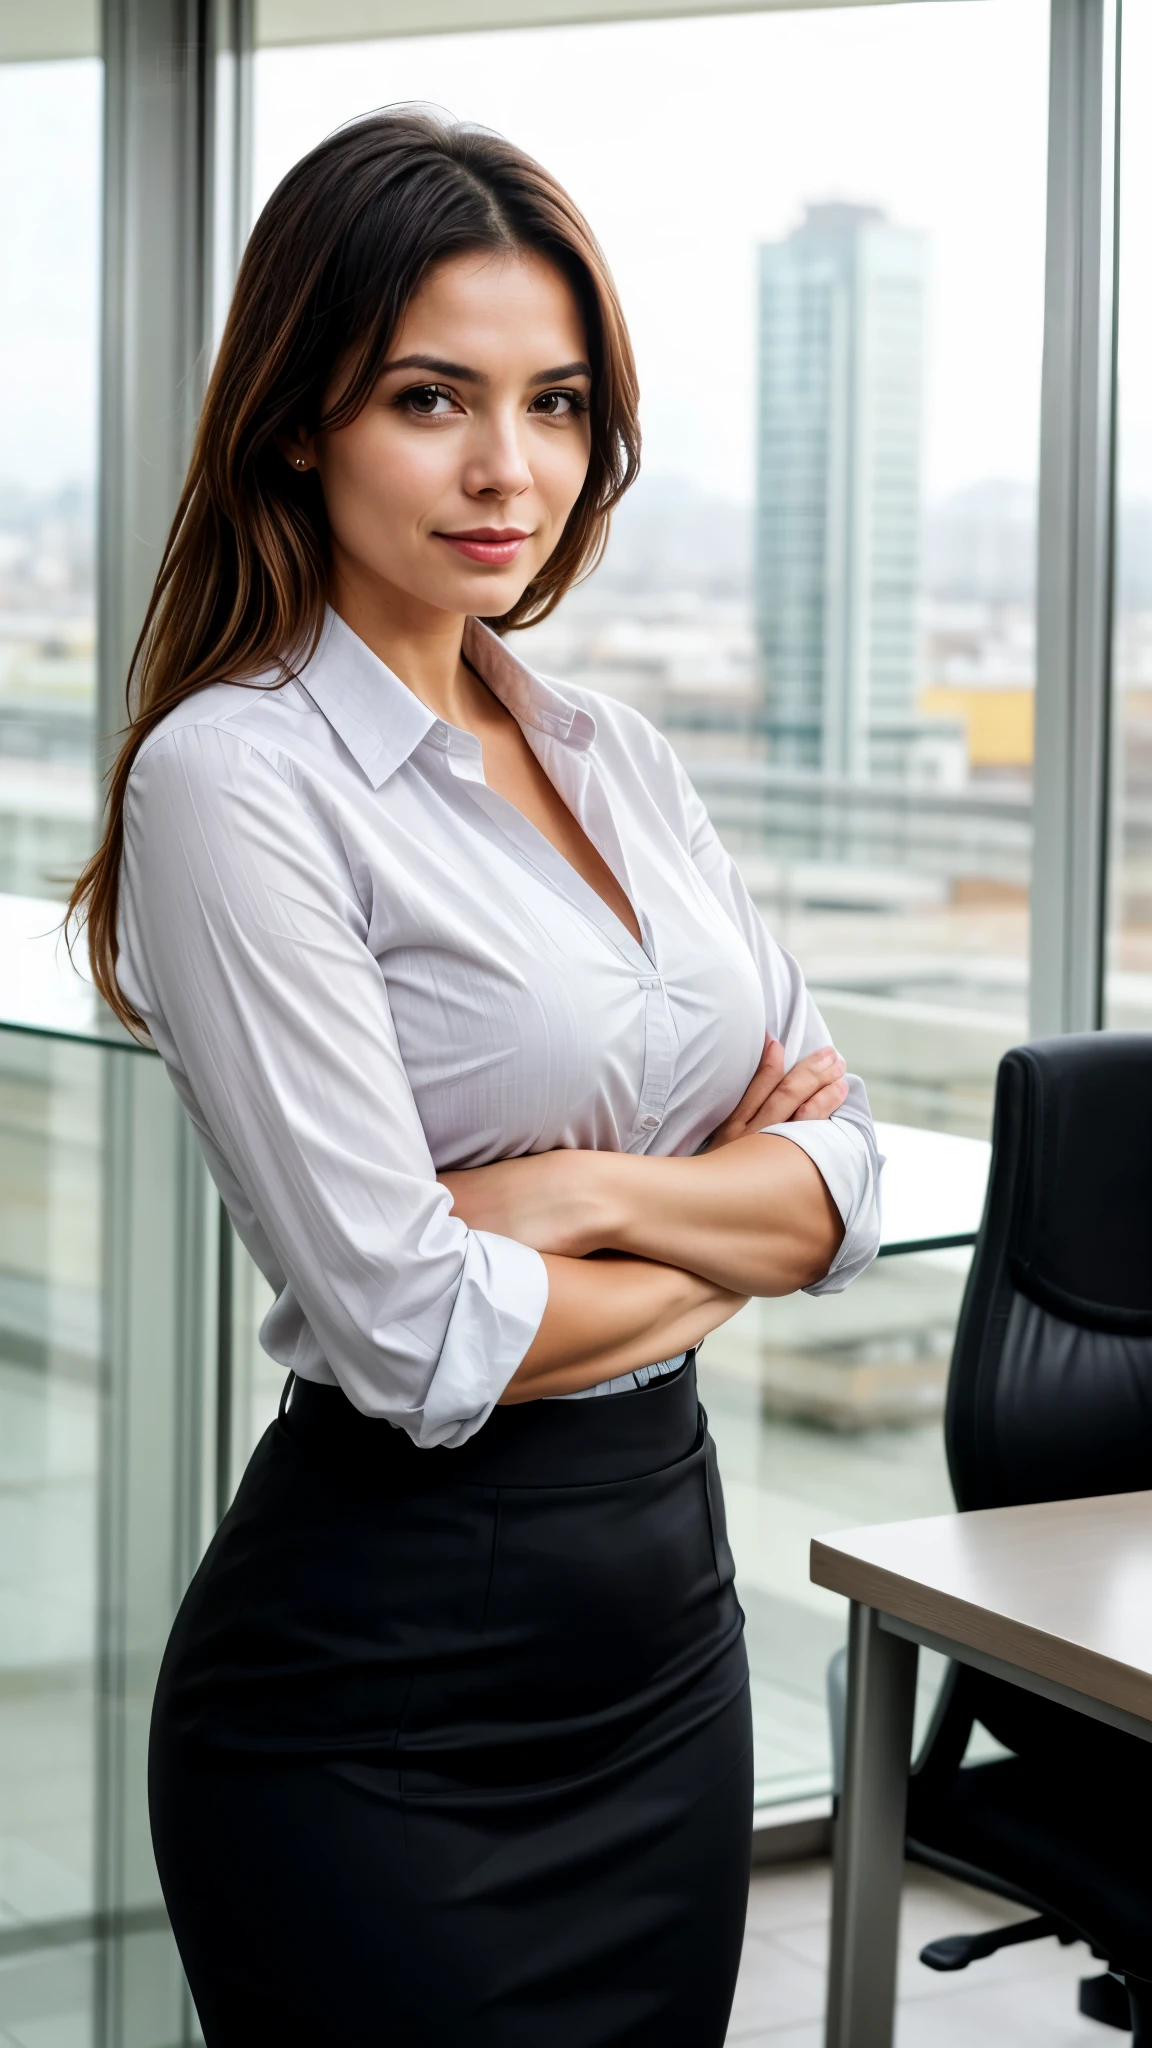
(452, 1749)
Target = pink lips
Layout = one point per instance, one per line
(494, 544)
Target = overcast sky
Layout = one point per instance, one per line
(687, 143)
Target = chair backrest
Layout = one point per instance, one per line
(1050, 1392)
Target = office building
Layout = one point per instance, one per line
(841, 347)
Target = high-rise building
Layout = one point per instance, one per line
(838, 489)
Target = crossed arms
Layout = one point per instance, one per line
(693, 1238)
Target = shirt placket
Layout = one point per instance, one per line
(659, 1037)
(656, 1081)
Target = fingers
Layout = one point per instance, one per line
(824, 1061)
(768, 1075)
(814, 1088)
(823, 1104)
(811, 1074)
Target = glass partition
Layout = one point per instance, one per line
(1128, 982)
(826, 1414)
(50, 175)
(107, 1415)
(50, 1334)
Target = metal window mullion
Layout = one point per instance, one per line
(228, 158)
(176, 81)
(1076, 519)
(155, 186)
(177, 148)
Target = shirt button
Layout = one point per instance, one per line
(650, 1123)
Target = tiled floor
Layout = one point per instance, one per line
(1020, 1998)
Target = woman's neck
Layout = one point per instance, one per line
(419, 643)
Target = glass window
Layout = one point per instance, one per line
(50, 142)
(1128, 987)
(822, 589)
(51, 1131)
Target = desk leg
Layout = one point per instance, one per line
(869, 1856)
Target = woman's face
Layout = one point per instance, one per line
(453, 485)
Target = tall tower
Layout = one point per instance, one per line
(838, 489)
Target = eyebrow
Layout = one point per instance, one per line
(461, 374)
(564, 370)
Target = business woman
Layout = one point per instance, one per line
(512, 1099)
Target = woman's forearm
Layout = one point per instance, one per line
(751, 1214)
(755, 1216)
(607, 1316)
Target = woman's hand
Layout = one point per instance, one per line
(813, 1088)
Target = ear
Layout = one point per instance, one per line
(298, 450)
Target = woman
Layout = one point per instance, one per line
(451, 1744)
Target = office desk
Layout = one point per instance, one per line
(1056, 1598)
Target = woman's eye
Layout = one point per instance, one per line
(558, 405)
(428, 401)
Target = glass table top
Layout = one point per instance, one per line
(41, 989)
(933, 1188)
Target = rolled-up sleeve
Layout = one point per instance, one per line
(842, 1146)
(245, 946)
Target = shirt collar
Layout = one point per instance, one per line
(535, 700)
(381, 721)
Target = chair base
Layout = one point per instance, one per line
(1105, 1998)
(956, 1951)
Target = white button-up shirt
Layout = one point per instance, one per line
(362, 966)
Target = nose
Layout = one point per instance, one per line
(497, 465)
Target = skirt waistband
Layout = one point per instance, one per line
(533, 1443)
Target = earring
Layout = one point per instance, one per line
(300, 462)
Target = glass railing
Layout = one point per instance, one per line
(133, 1388)
(107, 1391)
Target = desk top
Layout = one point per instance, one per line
(1063, 1590)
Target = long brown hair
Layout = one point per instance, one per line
(333, 260)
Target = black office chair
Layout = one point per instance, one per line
(1050, 1398)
